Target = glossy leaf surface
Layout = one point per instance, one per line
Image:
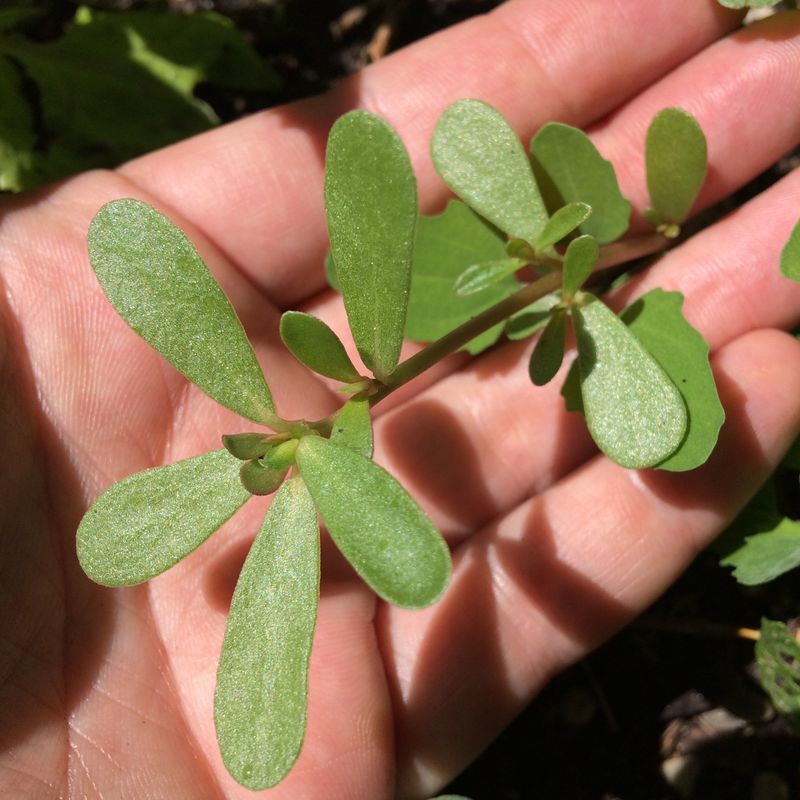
(371, 204)
(634, 412)
(352, 426)
(657, 321)
(314, 344)
(563, 222)
(144, 524)
(478, 155)
(569, 169)
(790, 255)
(579, 261)
(160, 286)
(262, 681)
(376, 524)
(481, 276)
(549, 350)
(778, 659)
(676, 158)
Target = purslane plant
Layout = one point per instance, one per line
(515, 254)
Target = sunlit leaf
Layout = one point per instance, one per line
(352, 426)
(676, 158)
(563, 222)
(634, 412)
(478, 155)
(569, 169)
(378, 527)
(160, 286)
(790, 255)
(447, 244)
(531, 318)
(579, 261)
(481, 276)
(778, 659)
(144, 524)
(262, 681)
(371, 203)
(314, 344)
(259, 479)
(549, 351)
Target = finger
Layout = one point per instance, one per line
(555, 577)
(254, 187)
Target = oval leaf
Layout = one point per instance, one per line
(262, 680)
(314, 344)
(352, 426)
(569, 169)
(260, 479)
(676, 158)
(579, 261)
(481, 276)
(478, 155)
(245, 446)
(371, 204)
(790, 255)
(144, 524)
(160, 286)
(549, 351)
(378, 527)
(634, 412)
(562, 223)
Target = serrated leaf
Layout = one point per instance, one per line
(634, 412)
(262, 680)
(481, 276)
(260, 479)
(352, 426)
(371, 204)
(656, 320)
(790, 255)
(778, 659)
(314, 344)
(447, 244)
(569, 169)
(160, 286)
(531, 318)
(579, 261)
(676, 159)
(549, 351)
(478, 155)
(142, 525)
(378, 527)
(563, 222)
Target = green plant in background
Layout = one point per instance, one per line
(114, 86)
(515, 254)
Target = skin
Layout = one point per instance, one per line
(109, 693)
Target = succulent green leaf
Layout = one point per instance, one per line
(790, 255)
(657, 321)
(258, 478)
(748, 3)
(281, 457)
(532, 318)
(352, 426)
(478, 155)
(481, 276)
(778, 659)
(549, 351)
(563, 222)
(579, 261)
(314, 344)
(262, 681)
(371, 203)
(144, 524)
(634, 412)
(569, 169)
(676, 159)
(378, 527)
(160, 286)
(447, 244)
(245, 446)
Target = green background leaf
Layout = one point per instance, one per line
(778, 658)
(144, 524)
(657, 321)
(478, 155)
(633, 410)
(160, 286)
(314, 344)
(376, 524)
(569, 169)
(579, 261)
(676, 158)
(352, 426)
(549, 351)
(371, 203)
(748, 3)
(790, 255)
(262, 681)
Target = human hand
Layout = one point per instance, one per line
(110, 692)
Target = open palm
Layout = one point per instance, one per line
(110, 692)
